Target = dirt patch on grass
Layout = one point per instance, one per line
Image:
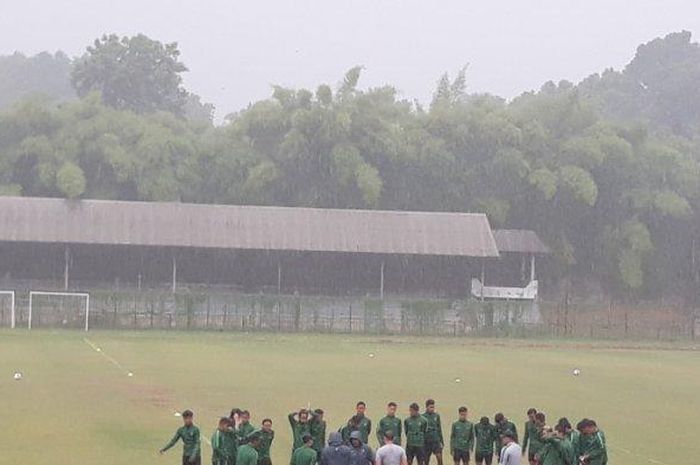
(153, 396)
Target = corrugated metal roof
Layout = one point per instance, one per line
(519, 240)
(28, 219)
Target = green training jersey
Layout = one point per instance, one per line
(484, 437)
(389, 423)
(433, 432)
(345, 432)
(462, 436)
(224, 445)
(298, 430)
(304, 456)
(247, 455)
(532, 436)
(594, 447)
(244, 429)
(501, 429)
(415, 428)
(573, 439)
(555, 451)
(266, 438)
(365, 428)
(568, 451)
(190, 441)
(318, 433)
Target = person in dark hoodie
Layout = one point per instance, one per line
(362, 454)
(336, 453)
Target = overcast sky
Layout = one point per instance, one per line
(235, 49)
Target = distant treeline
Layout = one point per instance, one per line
(606, 171)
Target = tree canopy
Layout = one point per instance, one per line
(606, 171)
(132, 73)
(45, 74)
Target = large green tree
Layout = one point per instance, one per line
(659, 86)
(133, 73)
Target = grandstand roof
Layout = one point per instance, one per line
(519, 241)
(28, 219)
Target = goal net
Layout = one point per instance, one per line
(70, 310)
(8, 317)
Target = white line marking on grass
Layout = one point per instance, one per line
(114, 362)
(107, 357)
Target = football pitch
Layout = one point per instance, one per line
(77, 404)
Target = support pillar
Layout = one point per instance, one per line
(174, 273)
(381, 281)
(279, 277)
(140, 276)
(483, 277)
(66, 267)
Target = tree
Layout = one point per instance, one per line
(197, 111)
(132, 73)
(667, 71)
(658, 86)
(70, 180)
(45, 73)
(450, 92)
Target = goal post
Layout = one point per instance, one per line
(84, 295)
(13, 316)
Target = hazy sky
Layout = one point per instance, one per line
(236, 49)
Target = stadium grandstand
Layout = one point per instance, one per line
(81, 245)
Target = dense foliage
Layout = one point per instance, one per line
(605, 171)
(132, 73)
(44, 74)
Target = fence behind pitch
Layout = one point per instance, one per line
(201, 310)
(213, 309)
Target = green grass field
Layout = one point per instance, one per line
(75, 405)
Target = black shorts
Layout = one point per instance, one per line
(264, 461)
(432, 447)
(416, 452)
(186, 460)
(460, 456)
(483, 459)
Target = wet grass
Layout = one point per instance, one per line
(77, 405)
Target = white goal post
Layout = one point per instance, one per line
(12, 307)
(62, 294)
